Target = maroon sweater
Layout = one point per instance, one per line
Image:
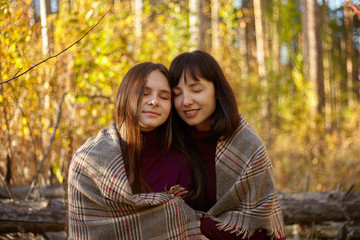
(162, 169)
(205, 144)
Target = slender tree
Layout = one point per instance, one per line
(260, 51)
(314, 53)
(215, 41)
(137, 6)
(44, 28)
(194, 23)
(349, 26)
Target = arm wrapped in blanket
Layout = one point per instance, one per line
(102, 206)
(246, 196)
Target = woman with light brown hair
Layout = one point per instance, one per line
(128, 181)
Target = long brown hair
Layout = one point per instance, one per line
(127, 108)
(224, 120)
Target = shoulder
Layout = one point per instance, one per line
(98, 150)
(244, 137)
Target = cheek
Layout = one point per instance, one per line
(167, 107)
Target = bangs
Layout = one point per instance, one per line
(191, 70)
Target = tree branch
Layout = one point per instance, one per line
(54, 56)
(32, 185)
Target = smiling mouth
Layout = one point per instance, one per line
(191, 113)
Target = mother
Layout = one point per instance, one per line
(236, 182)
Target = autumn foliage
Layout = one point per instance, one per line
(323, 146)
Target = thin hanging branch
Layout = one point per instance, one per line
(54, 56)
(33, 182)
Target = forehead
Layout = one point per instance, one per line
(157, 80)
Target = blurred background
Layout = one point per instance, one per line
(294, 67)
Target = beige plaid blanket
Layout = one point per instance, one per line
(102, 206)
(246, 194)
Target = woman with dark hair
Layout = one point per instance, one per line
(233, 175)
(127, 182)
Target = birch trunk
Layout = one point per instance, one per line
(137, 9)
(194, 22)
(215, 41)
(44, 32)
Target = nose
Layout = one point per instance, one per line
(187, 100)
(153, 102)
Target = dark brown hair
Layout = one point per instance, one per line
(224, 120)
(127, 108)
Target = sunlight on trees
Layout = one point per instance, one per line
(323, 144)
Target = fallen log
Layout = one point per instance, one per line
(19, 192)
(35, 216)
(298, 208)
(309, 207)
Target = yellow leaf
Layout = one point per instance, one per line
(26, 131)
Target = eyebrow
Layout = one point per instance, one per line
(161, 91)
(190, 85)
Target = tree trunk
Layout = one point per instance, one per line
(260, 51)
(32, 216)
(194, 23)
(275, 39)
(319, 207)
(137, 9)
(215, 41)
(349, 28)
(327, 46)
(204, 26)
(244, 54)
(314, 50)
(19, 192)
(251, 40)
(305, 40)
(44, 32)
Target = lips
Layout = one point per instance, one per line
(191, 113)
(151, 113)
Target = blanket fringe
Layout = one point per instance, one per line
(247, 233)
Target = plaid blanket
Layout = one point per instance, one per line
(246, 194)
(102, 206)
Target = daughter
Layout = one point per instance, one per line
(127, 182)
